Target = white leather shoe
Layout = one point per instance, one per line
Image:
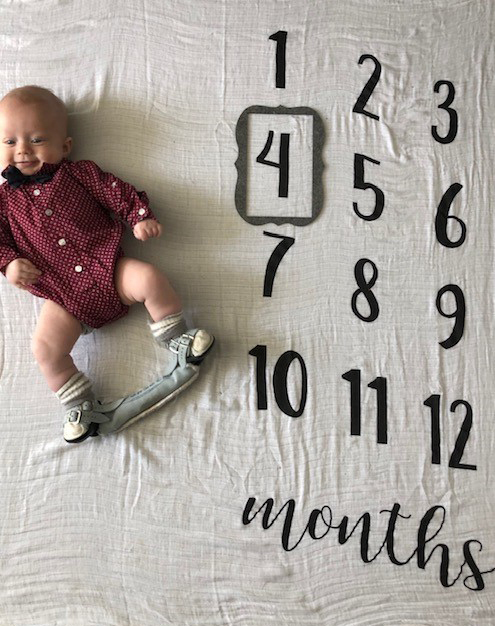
(202, 342)
(82, 421)
(192, 346)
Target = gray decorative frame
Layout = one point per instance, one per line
(241, 134)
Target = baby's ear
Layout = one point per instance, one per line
(67, 147)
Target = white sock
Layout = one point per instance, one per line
(168, 327)
(77, 388)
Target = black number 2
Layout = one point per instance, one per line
(368, 88)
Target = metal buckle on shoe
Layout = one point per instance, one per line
(78, 413)
(178, 342)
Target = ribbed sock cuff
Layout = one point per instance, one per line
(169, 327)
(76, 389)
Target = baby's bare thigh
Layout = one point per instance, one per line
(57, 327)
(134, 279)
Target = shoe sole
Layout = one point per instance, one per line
(196, 360)
(91, 432)
(193, 361)
(93, 427)
(156, 406)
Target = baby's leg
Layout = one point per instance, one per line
(56, 333)
(137, 281)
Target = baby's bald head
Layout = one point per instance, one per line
(33, 125)
(45, 99)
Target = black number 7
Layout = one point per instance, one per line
(275, 260)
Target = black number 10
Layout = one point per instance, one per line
(279, 381)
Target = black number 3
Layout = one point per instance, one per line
(453, 122)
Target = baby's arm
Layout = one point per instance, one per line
(113, 193)
(147, 228)
(21, 273)
(18, 271)
(8, 249)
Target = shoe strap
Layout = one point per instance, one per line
(84, 413)
(181, 346)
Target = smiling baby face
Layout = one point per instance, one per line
(33, 129)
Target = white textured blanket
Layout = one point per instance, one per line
(334, 462)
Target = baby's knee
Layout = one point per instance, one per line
(45, 352)
(151, 281)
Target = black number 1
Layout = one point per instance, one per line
(281, 38)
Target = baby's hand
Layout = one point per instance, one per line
(21, 273)
(147, 228)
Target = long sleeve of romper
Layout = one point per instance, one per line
(121, 198)
(8, 249)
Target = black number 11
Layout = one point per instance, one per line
(380, 384)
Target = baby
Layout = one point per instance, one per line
(60, 237)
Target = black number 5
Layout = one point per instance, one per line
(360, 183)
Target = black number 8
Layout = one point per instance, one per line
(365, 288)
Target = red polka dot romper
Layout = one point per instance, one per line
(69, 228)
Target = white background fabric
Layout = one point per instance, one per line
(145, 527)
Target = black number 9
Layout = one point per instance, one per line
(459, 314)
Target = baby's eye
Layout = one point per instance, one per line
(9, 142)
(37, 140)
